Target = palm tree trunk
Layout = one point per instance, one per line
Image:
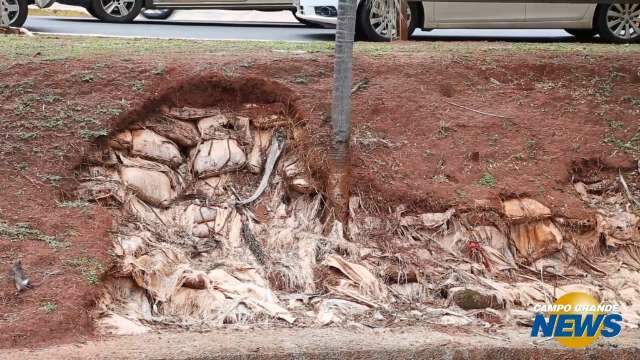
(4, 15)
(339, 156)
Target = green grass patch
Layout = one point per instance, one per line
(26, 135)
(87, 134)
(90, 268)
(633, 100)
(49, 307)
(24, 231)
(70, 204)
(52, 179)
(488, 180)
(630, 145)
(19, 231)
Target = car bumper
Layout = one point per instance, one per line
(321, 12)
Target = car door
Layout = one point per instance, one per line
(557, 12)
(230, 4)
(478, 14)
(200, 4)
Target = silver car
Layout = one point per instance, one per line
(619, 23)
(122, 11)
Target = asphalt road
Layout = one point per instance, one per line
(236, 30)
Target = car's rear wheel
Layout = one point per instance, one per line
(619, 23)
(16, 12)
(582, 34)
(118, 11)
(372, 16)
(157, 14)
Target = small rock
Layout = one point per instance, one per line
(469, 299)
(378, 316)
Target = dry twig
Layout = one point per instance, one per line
(476, 111)
(626, 190)
(360, 85)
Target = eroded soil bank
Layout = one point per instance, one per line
(520, 205)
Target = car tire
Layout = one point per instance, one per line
(17, 12)
(116, 11)
(157, 14)
(89, 9)
(582, 34)
(366, 31)
(615, 23)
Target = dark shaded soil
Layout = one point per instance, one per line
(413, 144)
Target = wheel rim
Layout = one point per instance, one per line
(383, 21)
(11, 10)
(623, 20)
(118, 8)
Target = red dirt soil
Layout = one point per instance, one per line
(411, 145)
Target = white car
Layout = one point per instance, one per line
(619, 23)
(125, 11)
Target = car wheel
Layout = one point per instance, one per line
(371, 16)
(619, 23)
(583, 34)
(16, 12)
(157, 14)
(118, 11)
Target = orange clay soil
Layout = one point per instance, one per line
(416, 140)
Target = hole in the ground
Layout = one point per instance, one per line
(218, 221)
(199, 177)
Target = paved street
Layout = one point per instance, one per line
(261, 27)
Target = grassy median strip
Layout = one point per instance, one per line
(68, 47)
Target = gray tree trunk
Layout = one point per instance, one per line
(338, 186)
(4, 14)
